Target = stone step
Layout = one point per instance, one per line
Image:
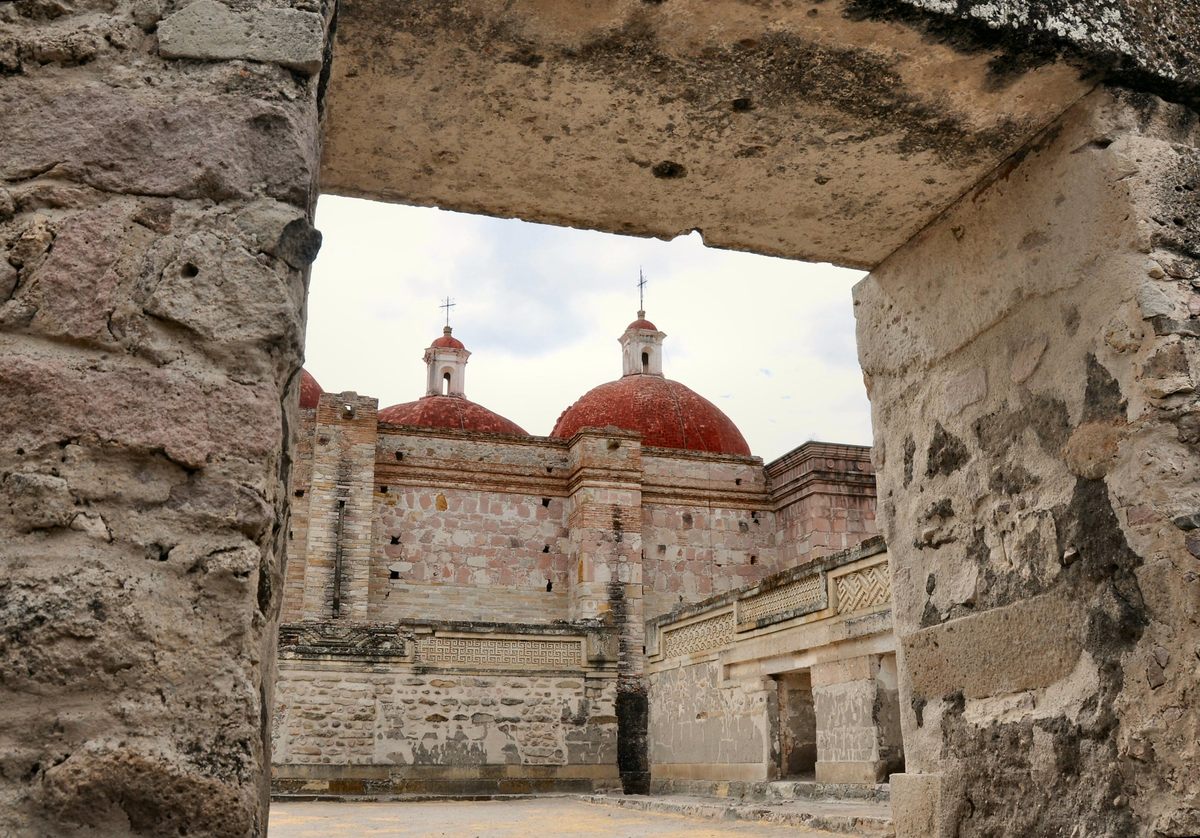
(774, 790)
(850, 817)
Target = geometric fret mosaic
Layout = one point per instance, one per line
(794, 596)
(500, 653)
(863, 589)
(699, 637)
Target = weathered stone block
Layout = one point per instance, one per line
(212, 31)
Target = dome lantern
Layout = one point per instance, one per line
(446, 361)
(641, 348)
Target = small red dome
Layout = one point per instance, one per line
(449, 412)
(310, 390)
(666, 413)
(642, 323)
(448, 342)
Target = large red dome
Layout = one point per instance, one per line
(310, 390)
(666, 413)
(449, 412)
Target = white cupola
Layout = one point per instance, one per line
(446, 360)
(641, 348)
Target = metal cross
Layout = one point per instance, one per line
(641, 290)
(449, 304)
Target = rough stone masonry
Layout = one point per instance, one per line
(1040, 488)
(154, 246)
(158, 168)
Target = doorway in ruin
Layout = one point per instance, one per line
(796, 731)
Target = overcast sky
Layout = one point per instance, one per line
(769, 341)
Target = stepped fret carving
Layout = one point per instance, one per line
(795, 596)
(863, 589)
(304, 640)
(699, 637)
(496, 653)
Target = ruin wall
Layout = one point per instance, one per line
(715, 712)
(417, 708)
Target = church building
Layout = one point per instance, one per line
(473, 609)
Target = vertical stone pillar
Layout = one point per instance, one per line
(157, 181)
(857, 720)
(605, 521)
(341, 509)
(1031, 360)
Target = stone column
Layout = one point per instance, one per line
(341, 509)
(157, 179)
(856, 710)
(1031, 360)
(605, 521)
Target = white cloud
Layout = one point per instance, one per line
(542, 307)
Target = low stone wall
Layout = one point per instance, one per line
(735, 679)
(445, 708)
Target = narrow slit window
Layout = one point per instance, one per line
(645, 362)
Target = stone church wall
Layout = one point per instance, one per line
(297, 535)
(693, 552)
(468, 527)
(470, 555)
(707, 526)
(825, 497)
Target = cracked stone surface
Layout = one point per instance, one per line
(154, 241)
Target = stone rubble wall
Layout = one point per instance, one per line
(444, 708)
(155, 237)
(1032, 364)
(446, 719)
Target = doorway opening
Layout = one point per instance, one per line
(797, 734)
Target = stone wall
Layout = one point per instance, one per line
(470, 555)
(703, 729)
(297, 535)
(825, 500)
(723, 672)
(692, 552)
(426, 708)
(858, 720)
(340, 511)
(157, 181)
(1031, 360)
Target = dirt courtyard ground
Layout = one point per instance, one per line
(536, 818)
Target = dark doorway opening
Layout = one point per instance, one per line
(797, 726)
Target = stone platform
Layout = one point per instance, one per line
(773, 790)
(846, 816)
